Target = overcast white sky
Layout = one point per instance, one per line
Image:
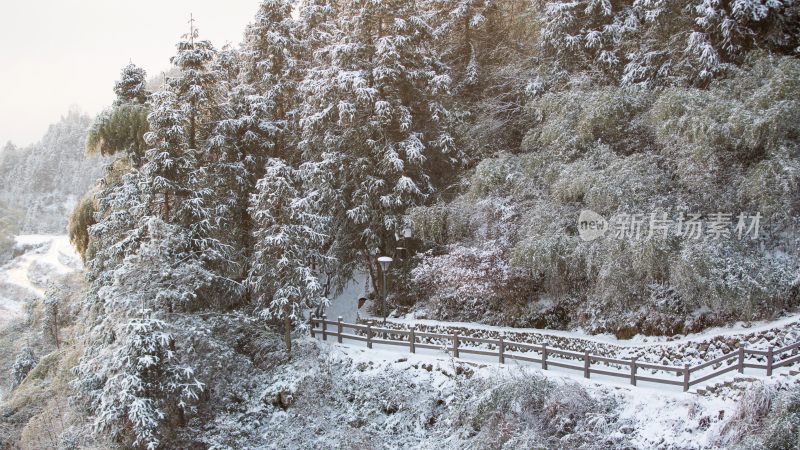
(58, 53)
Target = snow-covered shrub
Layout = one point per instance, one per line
(753, 408)
(772, 186)
(495, 174)
(729, 148)
(740, 120)
(530, 411)
(468, 282)
(23, 364)
(733, 281)
(441, 224)
(782, 424)
(549, 247)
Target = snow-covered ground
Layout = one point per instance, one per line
(636, 341)
(358, 349)
(42, 259)
(651, 417)
(346, 303)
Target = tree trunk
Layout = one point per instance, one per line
(287, 333)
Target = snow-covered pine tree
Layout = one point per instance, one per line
(122, 127)
(254, 122)
(270, 66)
(459, 24)
(160, 245)
(196, 87)
(178, 189)
(290, 234)
(132, 85)
(652, 42)
(317, 27)
(143, 388)
(170, 160)
(375, 97)
(116, 233)
(23, 364)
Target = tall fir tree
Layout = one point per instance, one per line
(290, 235)
(375, 97)
(196, 86)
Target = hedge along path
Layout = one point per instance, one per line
(685, 375)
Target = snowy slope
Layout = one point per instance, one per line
(43, 258)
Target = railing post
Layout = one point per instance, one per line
(455, 345)
(741, 359)
(544, 356)
(501, 348)
(369, 334)
(339, 329)
(313, 324)
(324, 328)
(586, 361)
(685, 377)
(412, 340)
(770, 359)
(633, 371)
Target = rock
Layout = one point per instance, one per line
(283, 399)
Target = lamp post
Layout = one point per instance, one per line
(385, 262)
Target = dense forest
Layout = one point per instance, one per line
(41, 184)
(250, 188)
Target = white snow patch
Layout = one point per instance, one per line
(26, 276)
(659, 416)
(636, 341)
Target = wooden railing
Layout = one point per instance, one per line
(550, 356)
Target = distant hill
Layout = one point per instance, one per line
(42, 182)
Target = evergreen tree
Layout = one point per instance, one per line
(289, 239)
(255, 122)
(375, 98)
(271, 68)
(23, 364)
(196, 87)
(132, 86)
(460, 25)
(122, 127)
(144, 384)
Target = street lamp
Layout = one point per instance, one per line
(385, 262)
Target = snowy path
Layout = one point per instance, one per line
(636, 341)
(46, 257)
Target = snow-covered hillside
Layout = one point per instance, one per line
(39, 260)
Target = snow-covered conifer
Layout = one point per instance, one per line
(291, 231)
(144, 384)
(23, 364)
(122, 127)
(196, 85)
(375, 97)
(132, 85)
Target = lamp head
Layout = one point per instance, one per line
(385, 262)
